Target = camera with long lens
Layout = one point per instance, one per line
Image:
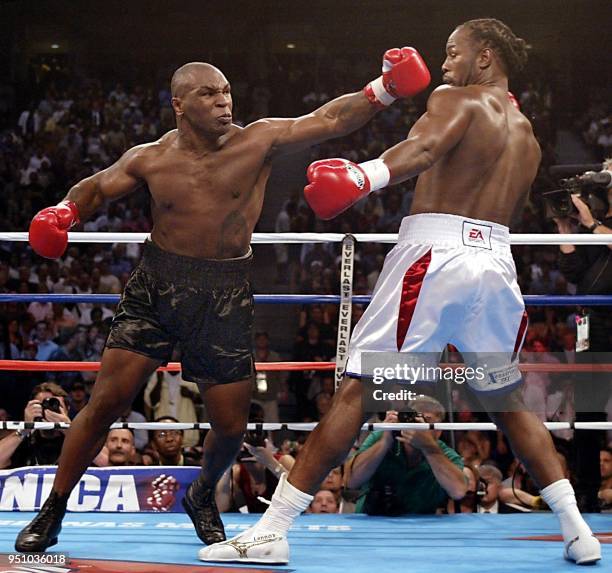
(52, 404)
(592, 187)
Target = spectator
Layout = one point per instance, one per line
(267, 384)
(41, 311)
(29, 122)
(109, 283)
(324, 501)
(68, 351)
(490, 501)
(45, 346)
(588, 267)
(167, 394)
(96, 315)
(312, 349)
(334, 482)
(61, 319)
(323, 402)
(77, 399)
(120, 449)
(412, 473)
(316, 314)
(255, 475)
(11, 341)
(37, 447)
(467, 446)
(283, 225)
(166, 448)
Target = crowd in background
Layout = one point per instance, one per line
(75, 130)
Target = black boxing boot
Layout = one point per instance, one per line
(199, 503)
(43, 530)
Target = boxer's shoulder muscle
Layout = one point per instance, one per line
(141, 158)
(446, 95)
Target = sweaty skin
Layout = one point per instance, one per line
(207, 177)
(475, 153)
(492, 169)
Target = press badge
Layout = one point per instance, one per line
(582, 333)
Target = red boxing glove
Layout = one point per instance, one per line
(404, 74)
(49, 229)
(336, 184)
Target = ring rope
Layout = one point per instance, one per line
(273, 238)
(530, 299)
(70, 366)
(306, 426)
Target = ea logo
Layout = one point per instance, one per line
(476, 235)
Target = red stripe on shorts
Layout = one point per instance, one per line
(521, 332)
(411, 287)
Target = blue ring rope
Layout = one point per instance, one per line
(530, 299)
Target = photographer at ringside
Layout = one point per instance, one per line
(37, 447)
(589, 267)
(413, 472)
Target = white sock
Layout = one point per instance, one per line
(560, 498)
(287, 503)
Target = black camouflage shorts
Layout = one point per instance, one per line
(204, 305)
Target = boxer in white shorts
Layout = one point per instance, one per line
(451, 280)
(476, 158)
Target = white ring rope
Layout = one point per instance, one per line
(274, 238)
(307, 426)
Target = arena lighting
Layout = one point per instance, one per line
(291, 46)
(55, 46)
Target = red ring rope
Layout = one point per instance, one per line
(64, 366)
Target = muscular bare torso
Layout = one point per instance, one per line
(487, 175)
(206, 206)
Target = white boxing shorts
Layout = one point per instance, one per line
(451, 280)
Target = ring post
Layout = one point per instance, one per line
(346, 306)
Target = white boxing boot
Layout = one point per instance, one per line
(251, 546)
(581, 546)
(266, 541)
(583, 549)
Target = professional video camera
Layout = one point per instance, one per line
(592, 185)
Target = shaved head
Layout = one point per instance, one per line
(190, 75)
(202, 100)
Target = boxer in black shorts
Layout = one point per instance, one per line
(206, 180)
(205, 305)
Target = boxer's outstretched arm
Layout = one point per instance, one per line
(435, 133)
(404, 74)
(336, 118)
(114, 182)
